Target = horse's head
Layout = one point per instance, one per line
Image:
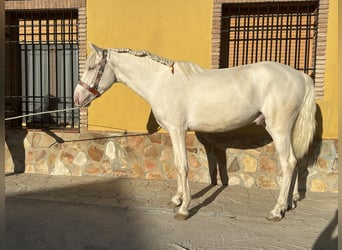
(96, 79)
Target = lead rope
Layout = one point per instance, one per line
(40, 113)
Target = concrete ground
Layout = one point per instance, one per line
(92, 213)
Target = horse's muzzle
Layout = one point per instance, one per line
(92, 90)
(83, 97)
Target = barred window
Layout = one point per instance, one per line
(41, 67)
(284, 32)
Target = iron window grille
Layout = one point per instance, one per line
(284, 32)
(42, 53)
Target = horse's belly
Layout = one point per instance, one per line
(218, 122)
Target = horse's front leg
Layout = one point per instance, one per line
(183, 195)
(176, 200)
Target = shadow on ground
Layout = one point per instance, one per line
(77, 216)
(49, 212)
(327, 239)
(101, 214)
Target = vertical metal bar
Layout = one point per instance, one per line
(316, 12)
(267, 16)
(26, 68)
(4, 70)
(71, 62)
(270, 36)
(243, 39)
(71, 36)
(253, 37)
(74, 46)
(234, 44)
(287, 34)
(33, 64)
(307, 39)
(77, 51)
(300, 55)
(64, 66)
(56, 60)
(8, 94)
(41, 64)
(257, 34)
(277, 34)
(281, 32)
(248, 28)
(298, 37)
(272, 29)
(18, 64)
(228, 35)
(290, 38)
(19, 92)
(237, 39)
(262, 36)
(48, 62)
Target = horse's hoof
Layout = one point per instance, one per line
(292, 206)
(274, 218)
(179, 216)
(171, 204)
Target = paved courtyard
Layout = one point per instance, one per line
(94, 213)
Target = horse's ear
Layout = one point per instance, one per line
(93, 47)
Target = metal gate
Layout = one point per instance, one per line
(41, 67)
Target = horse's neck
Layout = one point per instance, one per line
(138, 73)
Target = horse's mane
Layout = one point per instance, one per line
(187, 68)
(143, 53)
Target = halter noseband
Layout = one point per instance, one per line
(102, 65)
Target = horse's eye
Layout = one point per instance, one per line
(90, 68)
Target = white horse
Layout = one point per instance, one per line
(184, 96)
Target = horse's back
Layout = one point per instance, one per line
(253, 81)
(269, 80)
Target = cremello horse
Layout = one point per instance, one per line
(184, 96)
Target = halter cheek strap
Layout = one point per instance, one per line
(102, 65)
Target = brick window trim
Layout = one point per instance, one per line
(320, 46)
(80, 5)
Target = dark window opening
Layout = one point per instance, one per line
(284, 32)
(41, 67)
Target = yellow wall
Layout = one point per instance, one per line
(329, 105)
(179, 30)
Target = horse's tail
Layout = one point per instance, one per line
(305, 125)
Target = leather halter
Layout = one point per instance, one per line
(95, 86)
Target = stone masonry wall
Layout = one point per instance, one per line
(250, 162)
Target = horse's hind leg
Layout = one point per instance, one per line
(295, 196)
(288, 163)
